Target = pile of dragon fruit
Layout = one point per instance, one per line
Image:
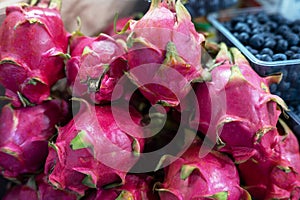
(85, 113)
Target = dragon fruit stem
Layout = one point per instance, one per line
(238, 57)
(223, 54)
(33, 2)
(154, 4)
(181, 12)
(52, 4)
(55, 4)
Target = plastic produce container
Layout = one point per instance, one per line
(289, 88)
(290, 69)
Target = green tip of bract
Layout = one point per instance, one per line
(182, 13)
(223, 54)
(186, 171)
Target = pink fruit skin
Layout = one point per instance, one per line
(21, 192)
(24, 136)
(47, 192)
(138, 187)
(213, 174)
(32, 39)
(104, 61)
(265, 178)
(237, 108)
(151, 37)
(106, 157)
(43, 191)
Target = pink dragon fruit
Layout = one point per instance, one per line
(92, 151)
(278, 176)
(159, 43)
(32, 46)
(95, 67)
(211, 177)
(37, 188)
(236, 107)
(136, 187)
(24, 136)
(21, 192)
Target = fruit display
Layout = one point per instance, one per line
(269, 37)
(269, 41)
(148, 109)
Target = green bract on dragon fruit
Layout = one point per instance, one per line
(32, 48)
(25, 133)
(91, 151)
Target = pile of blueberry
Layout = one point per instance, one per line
(269, 37)
(295, 108)
(199, 8)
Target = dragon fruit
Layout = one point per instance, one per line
(92, 151)
(211, 177)
(159, 43)
(236, 107)
(277, 176)
(136, 187)
(37, 188)
(32, 46)
(96, 65)
(20, 192)
(24, 136)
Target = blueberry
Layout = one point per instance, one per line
(201, 11)
(251, 50)
(258, 56)
(242, 27)
(272, 25)
(228, 3)
(266, 57)
(262, 17)
(296, 29)
(236, 34)
(295, 49)
(298, 108)
(284, 85)
(243, 37)
(273, 87)
(289, 53)
(254, 24)
(258, 30)
(256, 41)
(228, 25)
(282, 46)
(278, 37)
(239, 18)
(294, 76)
(296, 56)
(292, 38)
(213, 5)
(284, 74)
(283, 29)
(267, 51)
(277, 18)
(279, 57)
(268, 35)
(270, 43)
(266, 28)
